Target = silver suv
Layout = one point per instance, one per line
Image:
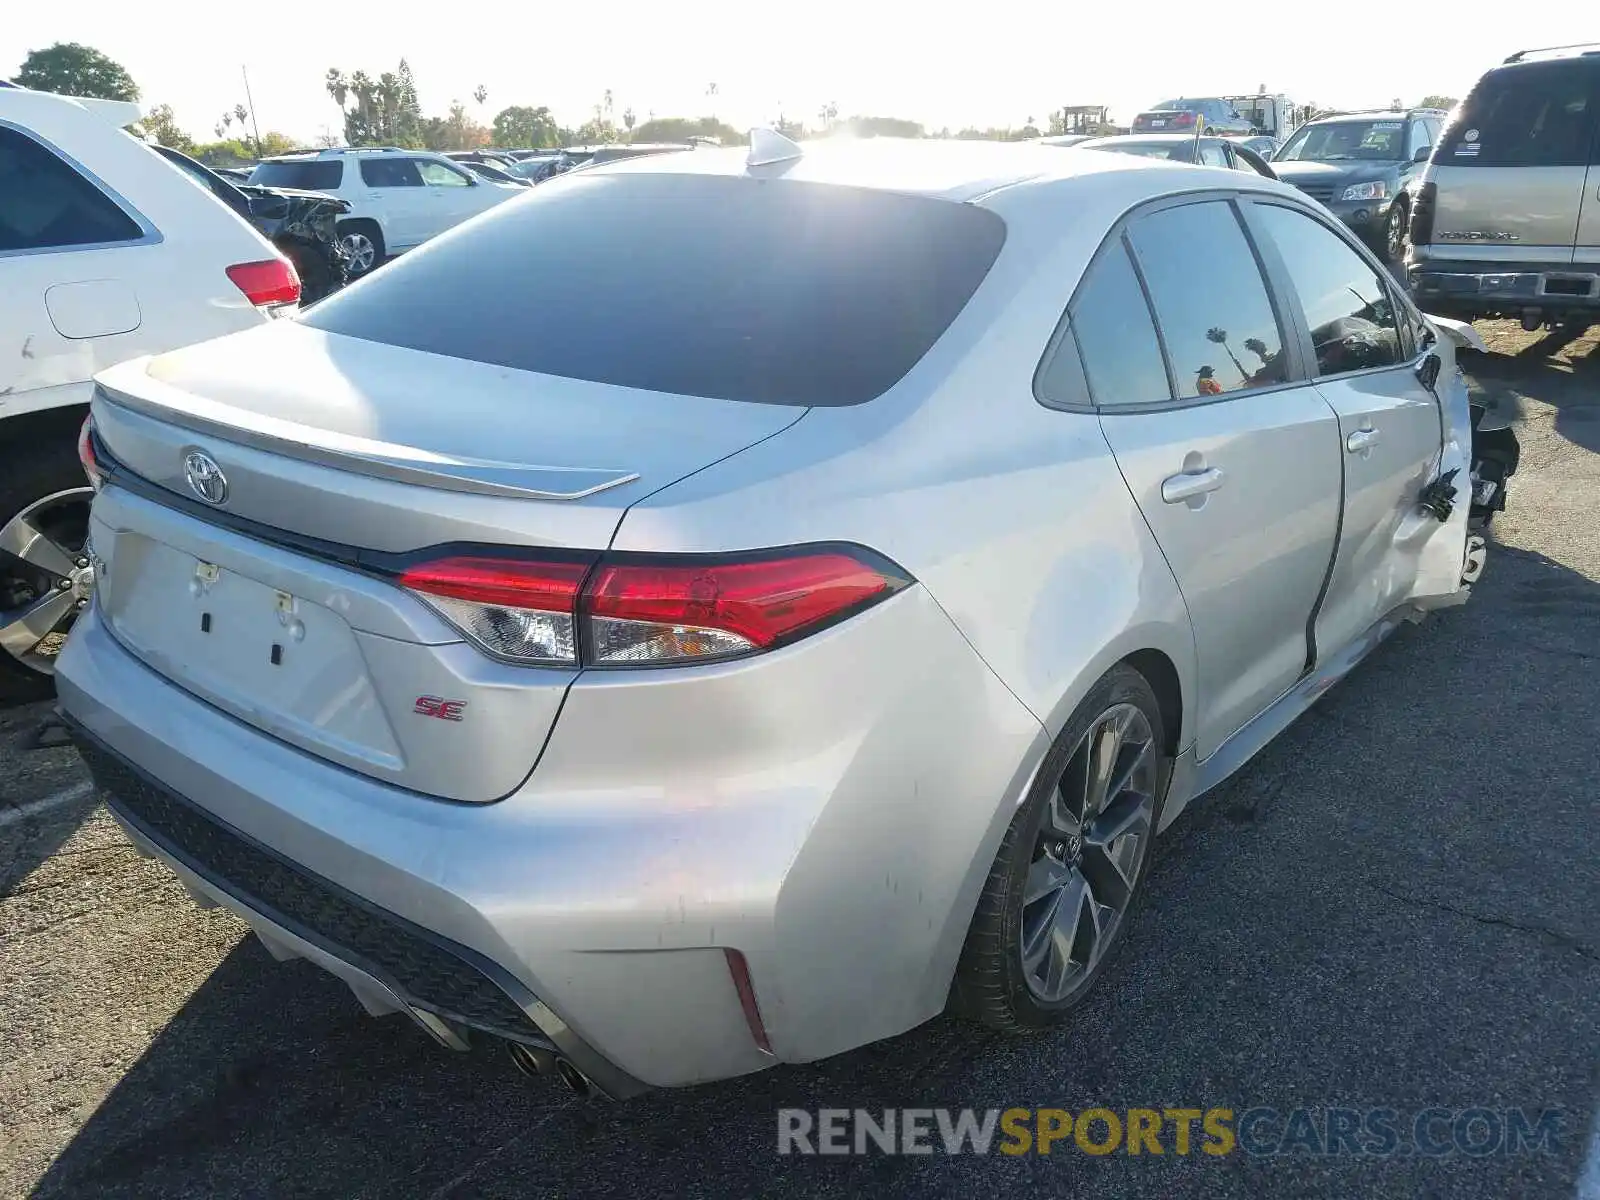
(1507, 218)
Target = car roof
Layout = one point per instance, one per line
(944, 168)
(20, 101)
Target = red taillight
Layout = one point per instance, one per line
(1183, 118)
(648, 612)
(650, 609)
(267, 283)
(91, 465)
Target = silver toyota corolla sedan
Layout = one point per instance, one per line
(722, 609)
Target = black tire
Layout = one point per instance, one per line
(317, 275)
(353, 232)
(1396, 233)
(991, 985)
(43, 464)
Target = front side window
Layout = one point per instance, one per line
(1354, 326)
(390, 172)
(1525, 117)
(45, 203)
(1210, 299)
(438, 175)
(1116, 337)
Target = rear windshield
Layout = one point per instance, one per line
(1179, 151)
(1536, 116)
(703, 285)
(319, 176)
(1180, 106)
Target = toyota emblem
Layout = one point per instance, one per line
(206, 479)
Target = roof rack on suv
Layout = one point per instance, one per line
(1583, 47)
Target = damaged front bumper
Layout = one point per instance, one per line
(1482, 456)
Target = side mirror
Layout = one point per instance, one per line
(1422, 153)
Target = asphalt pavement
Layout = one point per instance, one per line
(1397, 905)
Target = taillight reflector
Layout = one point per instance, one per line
(524, 611)
(637, 609)
(91, 465)
(739, 969)
(270, 282)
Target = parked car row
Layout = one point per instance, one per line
(397, 198)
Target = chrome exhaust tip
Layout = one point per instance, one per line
(577, 1082)
(531, 1060)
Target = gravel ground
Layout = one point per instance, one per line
(1393, 906)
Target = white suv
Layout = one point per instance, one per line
(107, 252)
(398, 198)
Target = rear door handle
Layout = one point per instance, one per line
(1175, 489)
(1361, 441)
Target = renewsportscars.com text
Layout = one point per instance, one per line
(1181, 1132)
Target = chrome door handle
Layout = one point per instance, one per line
(1361, 441)
(1175, 489)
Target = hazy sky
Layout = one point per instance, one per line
(991, 63)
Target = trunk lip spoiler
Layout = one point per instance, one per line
(382, 460)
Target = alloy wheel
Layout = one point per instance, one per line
(1093, 839)
(46, 577)
(362, 252)
(1396, 239)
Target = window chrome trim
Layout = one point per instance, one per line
(149, 235)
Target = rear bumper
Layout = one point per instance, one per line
(590, 911)
(1476, 287)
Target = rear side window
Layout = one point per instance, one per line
(773, 291)
(438, 175)
(1210, 299)
(45, 203)
(1116, 338)
(1543, 116)
(1354, 326)
(318, 175)
(390, 172)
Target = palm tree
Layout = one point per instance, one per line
(1220, 337)
(337, 86)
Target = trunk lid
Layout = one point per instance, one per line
(341, 458)
(1506, 214)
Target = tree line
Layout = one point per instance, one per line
(384, 110)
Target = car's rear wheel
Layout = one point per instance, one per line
(363, 242)
(1069, 871)
(45, 576)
